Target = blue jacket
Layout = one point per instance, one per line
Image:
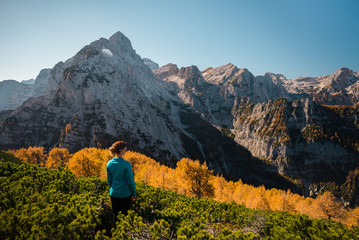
(120, 178)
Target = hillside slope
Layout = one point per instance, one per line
(41, 203)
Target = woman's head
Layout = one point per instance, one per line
(117, 148)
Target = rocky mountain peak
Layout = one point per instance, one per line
(220, 74)
(111, 50)
(245, 74)
(151, 63)
(343, 78)
(189, 72)
(339, 80)
(166, 71)
(343, 71)
(14, 93)
(276, 77)
(337, 88)
(121, 42)
(185, 81)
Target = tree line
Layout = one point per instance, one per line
(42, 203)
(192, 178)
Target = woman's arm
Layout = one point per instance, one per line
(131, 180)
(109, 176)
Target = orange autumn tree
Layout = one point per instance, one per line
(224, 190)
(37, 155)
(195, 177)
(353, 217)
(57, 155)
(281, 200)
(105, 157)
(33, 155)
(327, 204)
(151, 172)
(88, 162)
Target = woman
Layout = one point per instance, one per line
(120, 179)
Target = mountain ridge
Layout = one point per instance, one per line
(106, 92)
(274, 124)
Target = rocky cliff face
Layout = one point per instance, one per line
(301, 138)
(214, 91)
(277, 119)
(13, 93)
(205, 98)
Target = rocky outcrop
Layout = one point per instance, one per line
(151, 63)
(204, 97)
(43, 84)
(301, 138)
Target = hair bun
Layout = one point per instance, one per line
(117, 147)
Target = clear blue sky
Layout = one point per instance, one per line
(291, 37)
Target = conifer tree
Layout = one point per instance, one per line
(329, 206)
(196, 177)
(57, 155)
(34, 155)
(86, 162)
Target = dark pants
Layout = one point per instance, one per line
(120, 205)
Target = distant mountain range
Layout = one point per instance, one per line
(264, 129)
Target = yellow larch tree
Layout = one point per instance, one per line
(57, 155)
(223, 189)
(261, 198)
(105, 157)
(195, 178)
(352, 217)
(33, 155)
(87, 162)
(327, 205)
(242, 193)
(275, 197)
(299, 203)
(36, 155)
